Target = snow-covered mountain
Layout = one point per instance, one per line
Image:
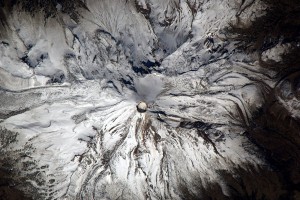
(70, 84)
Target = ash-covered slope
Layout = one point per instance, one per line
(70, 83)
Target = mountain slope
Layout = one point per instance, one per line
(71, 81)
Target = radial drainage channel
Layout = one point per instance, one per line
(141, 107)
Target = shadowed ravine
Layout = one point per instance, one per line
(149, 99)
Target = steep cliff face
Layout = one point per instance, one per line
(72, 75)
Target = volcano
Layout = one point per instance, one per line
(149, 99)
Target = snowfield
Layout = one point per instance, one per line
(69, 90)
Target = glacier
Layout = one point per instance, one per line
(70, 85)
